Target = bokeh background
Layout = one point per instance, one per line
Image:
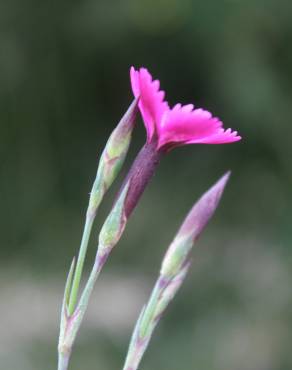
(64, 84)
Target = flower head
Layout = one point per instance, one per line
(182, 124)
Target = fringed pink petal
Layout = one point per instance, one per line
(186, 125)
(151, 102)
(221, 137)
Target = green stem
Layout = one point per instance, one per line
(86, 294)
(144, 328)
(63, 361)
(80, 263)
(150, 309)
(66, 343)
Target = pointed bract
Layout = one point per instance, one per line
(66, 301)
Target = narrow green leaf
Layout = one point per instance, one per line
(66, 298)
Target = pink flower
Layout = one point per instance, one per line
(180, 125)
(166, 128)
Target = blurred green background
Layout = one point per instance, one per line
(64, 84)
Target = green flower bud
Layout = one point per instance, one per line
(114, 224)
(113, 157)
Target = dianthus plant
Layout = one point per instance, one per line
(166, 129)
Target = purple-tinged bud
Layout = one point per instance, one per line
(203, 210)
(113, 157)
(191, 229)
(120, 136)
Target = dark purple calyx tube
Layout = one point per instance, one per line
(140, 174)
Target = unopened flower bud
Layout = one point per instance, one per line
(114, 224)
(191, 228)
(113, 157)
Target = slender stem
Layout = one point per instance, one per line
(74, 322)
(100, 260)
(144, 328)
(80, 263)
(135, 355)
(63, 361)
(147, 317)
